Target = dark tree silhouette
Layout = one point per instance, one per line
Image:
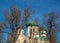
(28, 12)
(50, 22)
(2, 26)
(13, 20)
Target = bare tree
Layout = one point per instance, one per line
(27, 15)
(1, 38)
(13, 21)
(2, 26)
(50, 22)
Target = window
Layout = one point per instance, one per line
(24, 41)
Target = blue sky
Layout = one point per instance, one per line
(40, 6)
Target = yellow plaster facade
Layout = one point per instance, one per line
(32, 35)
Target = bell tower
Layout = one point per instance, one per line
(20, 35)
(43, 36)
(32, 31)
(32, 28)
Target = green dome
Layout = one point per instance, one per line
(42, 38)
(32, 23)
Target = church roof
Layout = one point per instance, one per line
(32, 23)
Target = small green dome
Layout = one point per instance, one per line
(43, 38)
(32, 23)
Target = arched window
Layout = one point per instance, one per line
(24, 41)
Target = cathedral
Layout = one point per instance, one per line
(34, 35)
